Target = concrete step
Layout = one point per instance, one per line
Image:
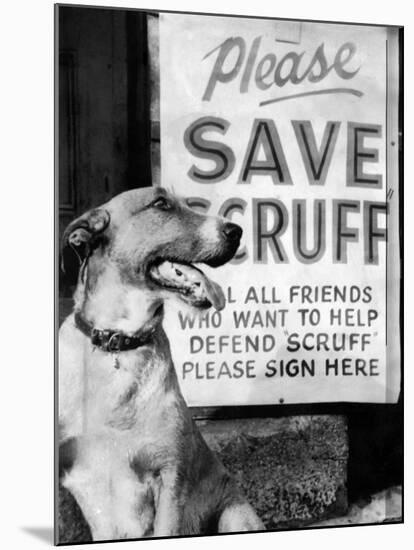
(292, 469)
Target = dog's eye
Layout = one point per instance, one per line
(162, 204)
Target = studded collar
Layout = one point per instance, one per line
(115, 341)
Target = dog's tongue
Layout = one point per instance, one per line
(199, 287)
(213, 290)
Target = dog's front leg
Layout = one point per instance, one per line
(113, 503)
(168, 510)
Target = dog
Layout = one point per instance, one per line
(140, 466)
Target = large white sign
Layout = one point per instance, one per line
(282, 127)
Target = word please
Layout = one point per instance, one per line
(268, 71)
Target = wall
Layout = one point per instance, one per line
(103, 106)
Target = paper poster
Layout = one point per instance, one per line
(286, 128)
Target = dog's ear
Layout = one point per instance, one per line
(81, 234)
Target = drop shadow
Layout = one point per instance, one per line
(44, 534)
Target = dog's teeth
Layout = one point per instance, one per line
(192, 282)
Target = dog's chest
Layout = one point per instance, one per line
(130, 403)
(126, 435)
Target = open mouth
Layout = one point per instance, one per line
(189, 282)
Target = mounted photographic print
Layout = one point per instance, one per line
(229, 274)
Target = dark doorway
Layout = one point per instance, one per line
(104, 108)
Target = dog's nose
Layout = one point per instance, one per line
(232, 232)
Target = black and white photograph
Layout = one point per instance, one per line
(229, 247)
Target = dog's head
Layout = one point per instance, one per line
(153, 238)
